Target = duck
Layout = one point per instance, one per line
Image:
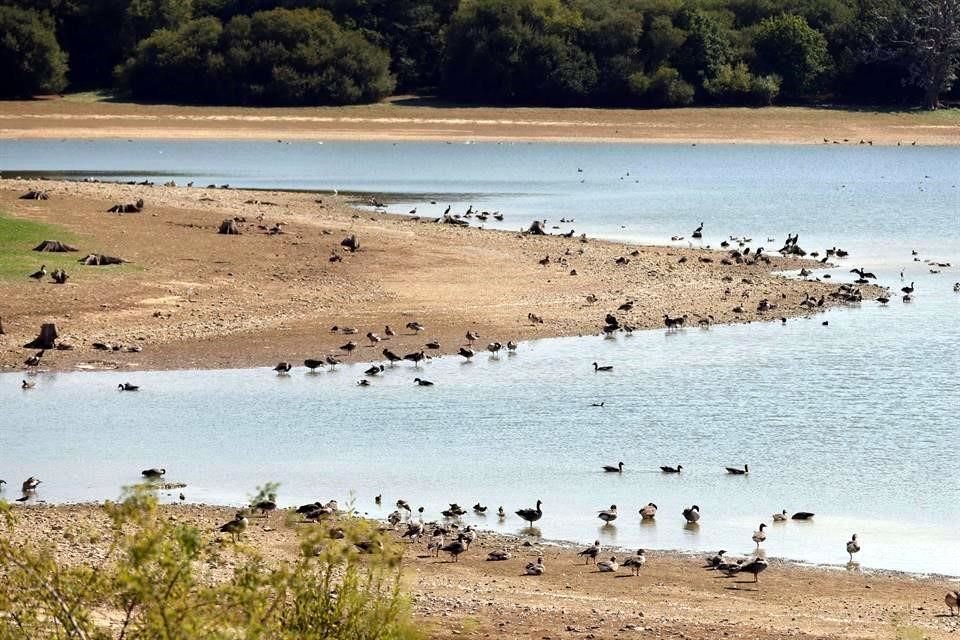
(38, 275)
(27, 385)
(738, 472)
(802, 515)
(455, 548)
(597, 368)
(236, 526)
(758, 535)
(465, 352)
(312, 365)
(498, 555)
(755, 566)
(608, 515)
(423, 383)
(374, 370)
(153, 473)
(531, 515)
(283, 368)
(649, 512)
(692, 514)
(608, 566)
(591, 552)
(617, 469)
(126, 386)
(675, 469)
(853, 547)
(780, 517)
(636, 562)
(535, 568)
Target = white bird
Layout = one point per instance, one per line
(608, 566)
(780, 517)
(759, 536)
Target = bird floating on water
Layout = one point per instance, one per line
(153, 473)
(126, 386)
(27, 385)
(597, 368)
(675, 469)
(780, 517)
(611, 469)
(692, 514)
(648, 512)
(738, 472)
(423, 383)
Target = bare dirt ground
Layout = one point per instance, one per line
(414, 119)
(192, 298)
(674, 597)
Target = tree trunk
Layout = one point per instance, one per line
(2, 332)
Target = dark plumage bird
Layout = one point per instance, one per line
(802, 515)
(126, 386)
(591, 553)
(350, 346)
(423, 383)
(34, 360)
(692, 514)
(478, 508)
(415, 357)
(853, 547)
(907, 290)
(416, 327)
(265, 506)
(675, 469)
(636, 562)
(755, 566)
(738, 472)
(432, 345)
(313, 365)
(597, 368)
(153, 474)
(283, 367)
(27, 385)
(38, 275)
(616, 469)
(391, 356)
(236, 526)
(455, 548)
(465, 352)
(374, 370)
(531, 515)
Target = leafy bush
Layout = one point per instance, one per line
(149, 585)
(30, 58)
(736, 85)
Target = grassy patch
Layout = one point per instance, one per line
(17, 240)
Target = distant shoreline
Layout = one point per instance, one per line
(70, 118)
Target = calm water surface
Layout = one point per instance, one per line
(855, 421)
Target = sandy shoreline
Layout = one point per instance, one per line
(672, 598)
(192, 298)
(415, 120)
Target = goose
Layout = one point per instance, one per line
(313, 365)
(434, 344)
(391, 356)
(617, 469)
(266, 506)
(416, 327)
(597, 368)
(394, 518)
(457, 509)
(531, 515)
(455, 548)
(283, 368)
(692, 514)
(907, 290)
(126, 386)
(591, 552)
(415, 358)
(883, 299)
(350, 346)
(497, 555)
(27, 385)
(714, 561)
(802, 515)
(374, 370)
(236, 526)
(465, 352)
(780, 517)
(675, 469)
(468, 537)
(30, 485)
(755, 566)
(423, 383)
(511, 346)
(388, 331)
(403, 504)
(853, 547)
(535, 568)
(738, 472)
(649, 512)
(698, 232)
(414, 530)
(373, 338)
(478, 509)
(608, 515)
(952, 600)
(311, 507)
(153, 474)
(471, 336)
(608, 566)
(636, 562)
(494, 347)
(759, 536)
(34, 360)
(38, 275)
(333, 362)
(863, 274)
(501, 513)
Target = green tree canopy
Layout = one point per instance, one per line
(30, 58)
(790, 48)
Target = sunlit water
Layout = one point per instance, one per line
(855, 421)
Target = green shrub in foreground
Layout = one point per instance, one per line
(149, 585)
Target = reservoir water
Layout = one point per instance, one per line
(855, 421)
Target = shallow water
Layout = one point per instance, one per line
(855, 421)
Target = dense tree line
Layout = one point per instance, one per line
(638, 53)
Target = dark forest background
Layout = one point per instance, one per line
(624, 53)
